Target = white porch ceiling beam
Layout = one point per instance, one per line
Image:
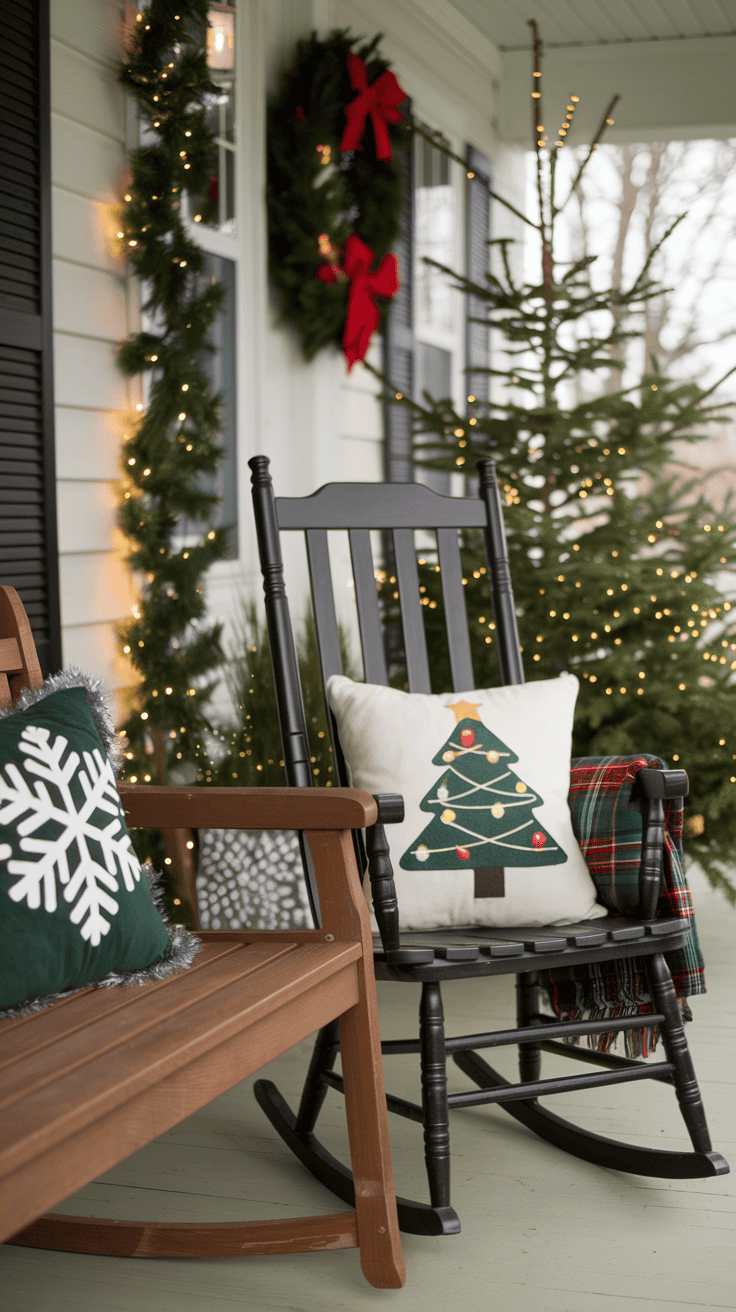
(670, 90)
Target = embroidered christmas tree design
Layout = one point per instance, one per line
(482, 812)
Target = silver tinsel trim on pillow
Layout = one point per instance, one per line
(184, 948)
(72, 677)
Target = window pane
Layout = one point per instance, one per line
(433, 375)
(221, 107)
(219, 367)
(435, 238)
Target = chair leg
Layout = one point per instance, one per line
(324, 1055)
(434, 1094)
(678, 1052)
(527, 1009)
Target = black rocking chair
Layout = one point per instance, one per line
(431, 958)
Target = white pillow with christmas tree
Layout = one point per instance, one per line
(487, 837)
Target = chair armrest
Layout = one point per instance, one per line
(390, 808)
(621, 835)
(325, 816)
(662, 783)
(152, 806)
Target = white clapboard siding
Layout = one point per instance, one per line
(79, 94)
(85, 161)
(85, 231)
(86, 375)
(361, 415)
(361, 460)
(91, 27)
(96, 648)
(91, 316)
(87, 515)
(87, 444)
(96, 581)
(89, 302)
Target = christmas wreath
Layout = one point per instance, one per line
(334, 192)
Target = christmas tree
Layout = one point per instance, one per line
(482, 811)
(622, 570)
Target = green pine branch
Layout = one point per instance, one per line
(177, 440)
(624, 572)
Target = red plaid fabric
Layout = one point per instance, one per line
(608, 825)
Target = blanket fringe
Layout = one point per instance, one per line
(639, 1043)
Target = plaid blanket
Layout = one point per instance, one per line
(608, 827)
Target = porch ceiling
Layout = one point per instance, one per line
(671, 62)
(598, 22)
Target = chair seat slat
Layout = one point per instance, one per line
(149, 1008)
(70, 1014)
(456, 618)
(369, 618)
(93, 1084)
(415, 642)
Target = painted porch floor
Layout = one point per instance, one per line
(540, 1230)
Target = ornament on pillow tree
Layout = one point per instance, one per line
(482, 812)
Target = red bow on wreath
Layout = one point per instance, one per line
(363, 316)
(379, 100)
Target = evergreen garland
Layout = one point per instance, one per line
(622, 573)
(249, 753)
(317, 197)
(176, 440)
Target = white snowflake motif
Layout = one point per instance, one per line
(86, 884)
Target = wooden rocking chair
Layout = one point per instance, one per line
(432, 958)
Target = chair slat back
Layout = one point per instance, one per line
(397, 511)
(456, 616)
(366, 600)
(377, 506)
(323, 600)
(415, 642)
(19, 667)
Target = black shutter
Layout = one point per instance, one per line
(28, 544)
(398, 341)
(478, 231)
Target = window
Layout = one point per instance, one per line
(433, 370)
(428, 343)
(221, 111)
(219, 367)
(220, 248)
(437, 306)
(435, 238)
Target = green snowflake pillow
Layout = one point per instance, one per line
(487, 837)
(75, 905)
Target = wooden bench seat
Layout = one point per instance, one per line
(102, 1072)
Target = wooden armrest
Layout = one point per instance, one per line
(662, 784)
(151, 806)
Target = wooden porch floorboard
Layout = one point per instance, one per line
(540, 1231)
